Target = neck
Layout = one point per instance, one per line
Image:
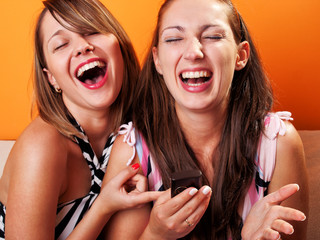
(203, 132)
(97, 128)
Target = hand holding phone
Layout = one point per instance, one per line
(185, 179)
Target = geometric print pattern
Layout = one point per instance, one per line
(70, 214)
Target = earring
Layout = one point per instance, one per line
(58, 90)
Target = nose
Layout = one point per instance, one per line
(193, 50)
(82, 47)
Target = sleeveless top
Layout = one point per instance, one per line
(265, 158)
(69, 214)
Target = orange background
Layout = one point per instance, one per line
(286, 32)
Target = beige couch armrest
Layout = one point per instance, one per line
(5, 147)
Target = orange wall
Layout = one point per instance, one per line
(287, 33)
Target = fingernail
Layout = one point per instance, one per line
(193, 191)
(135, 166)
(304, 218)
(206, 190)
(291, 231)
(298, 187)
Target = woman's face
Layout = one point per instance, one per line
(197, 54)
(87, 68)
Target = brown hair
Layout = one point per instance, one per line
(84, 16)
(249, 102)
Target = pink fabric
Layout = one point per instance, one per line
(266, 157)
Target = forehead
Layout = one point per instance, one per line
(194, 13)
(50, 26)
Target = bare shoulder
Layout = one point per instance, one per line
(290, 153)
(40, 152)
(121, 150)
(291, 168)
(120, 154)
(291, 141)
(39, 147)
(290, 163)
(39, 139)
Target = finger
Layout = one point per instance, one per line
(144, 197)
(164, 197)
(177, 202)
(269, 234)
(123, 176)
(282, 194)
(282, 226)
(287, 213)
(194, 209)
(140, 182)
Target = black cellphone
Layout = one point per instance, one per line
(185, 179)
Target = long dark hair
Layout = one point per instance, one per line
(250, 100)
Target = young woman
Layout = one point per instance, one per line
(203, 102)
(85, 69)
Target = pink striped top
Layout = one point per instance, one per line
(265, 158)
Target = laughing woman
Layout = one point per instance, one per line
(85, 70)
(203, 102)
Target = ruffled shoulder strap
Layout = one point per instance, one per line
(148, 166)
(267, 149)
(274, 124)
(129, 137)
(265, 158)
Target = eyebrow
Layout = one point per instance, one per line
(60, 31)
(181, 29)
(205, 27)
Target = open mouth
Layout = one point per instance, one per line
(91, 73)
(195, 78)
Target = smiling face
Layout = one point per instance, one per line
(197, 54)
(87, 68)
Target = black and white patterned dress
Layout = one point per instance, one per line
(70, 213)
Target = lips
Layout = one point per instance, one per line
(193, 80)
(92, 74)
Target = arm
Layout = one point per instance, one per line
(38, 177)
(291, 168)
(36, 168)
(277, 213)
(127, 224)
(114, 196)
(167, 218)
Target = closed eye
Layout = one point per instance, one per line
(60, 46)
(169, 40)
(214, 37)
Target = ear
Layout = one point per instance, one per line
(243, 55)
(156, 60)
(51, 78)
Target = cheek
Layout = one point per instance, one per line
(168, 56)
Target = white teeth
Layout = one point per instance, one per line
(196, 74)
(194, 84)
(89, 66)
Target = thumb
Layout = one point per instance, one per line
(282, 194)
(123, 176)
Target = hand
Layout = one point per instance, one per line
(126, 190)
(267, 219)
(173, 218)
